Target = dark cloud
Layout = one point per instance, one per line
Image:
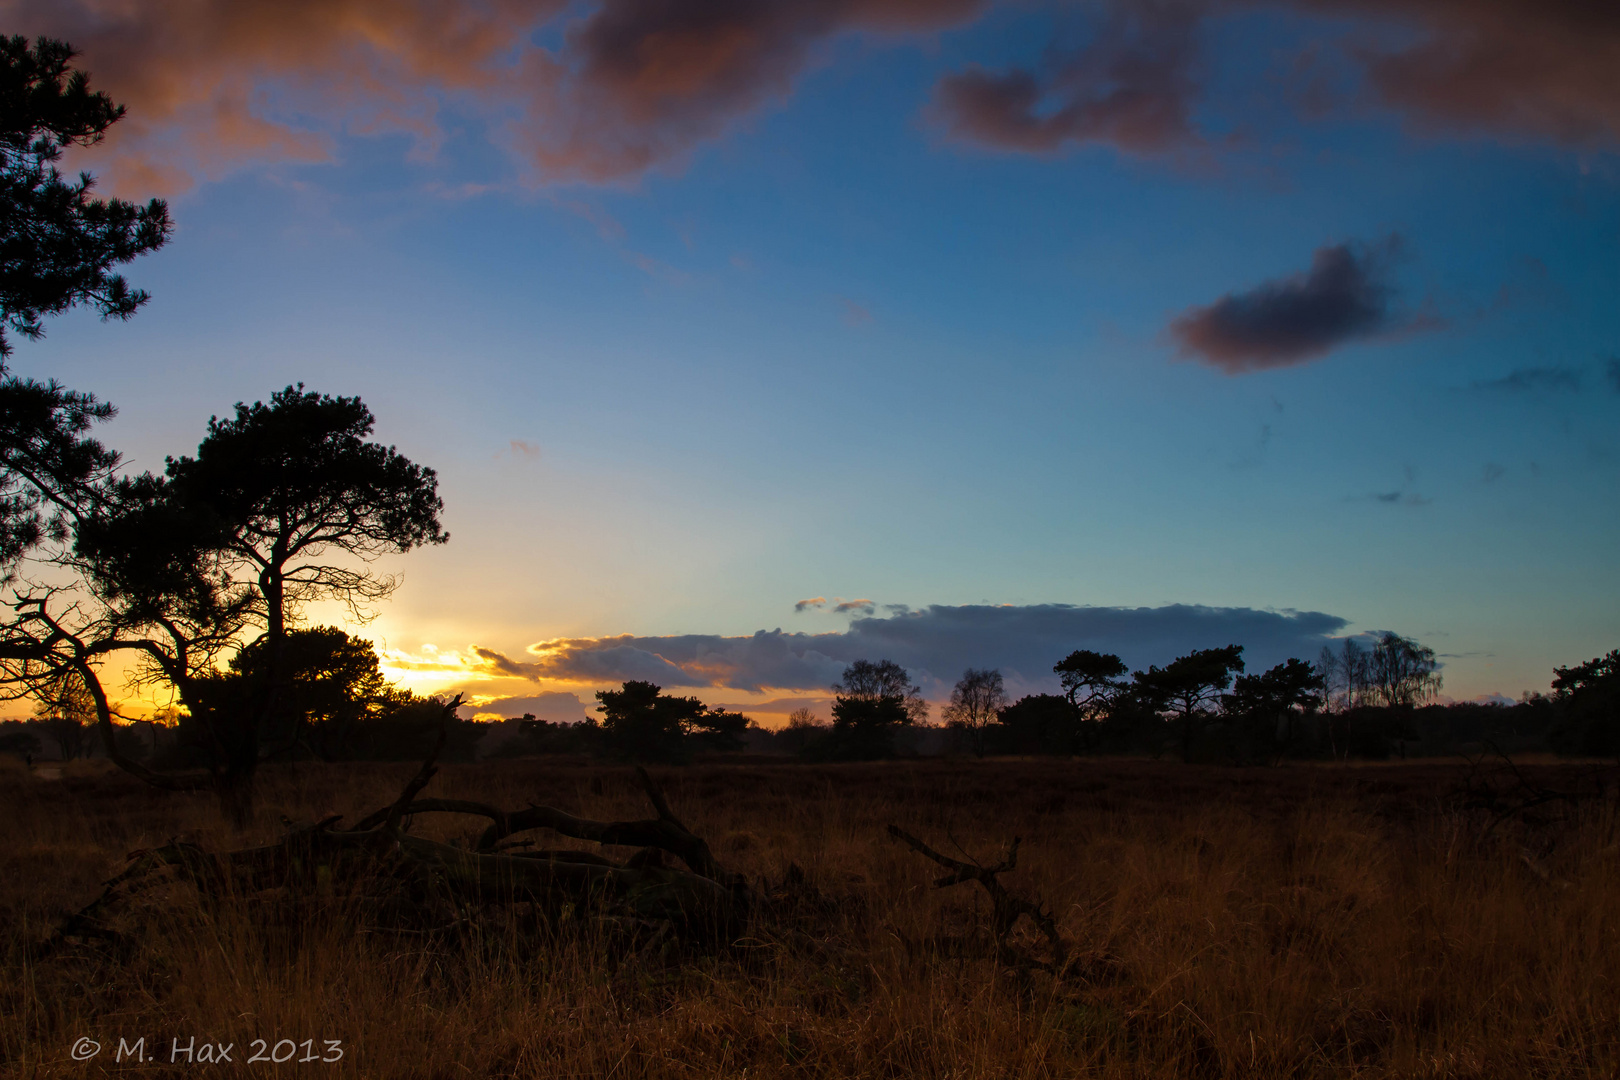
(1345, 296)
(813, 602)
(1540, 69)
(1526, 380)
(641, 81)
(498, 664)
(1132, 87)
(864, 607)
(935, 644)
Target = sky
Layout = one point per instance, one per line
(751, 337)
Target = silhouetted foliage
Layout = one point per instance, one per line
(536, 736)
(1589, 697)
(643, 724)
(975, 701)
(1091, 684)
(332, 683)
(278, 490)
(1346, 674)
(57, 244)
(50, 469)
(19, 739)
(1036, 724)
(283, 504)
(872, 702)
(803, 730)
(1265, 710)
(1187, 688)
(1394, 673)
(1401, 673)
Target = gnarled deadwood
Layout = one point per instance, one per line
(704, 901)
(1006, 909)
(665, 832)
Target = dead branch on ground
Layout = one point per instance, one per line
(1506, 792)
(402, 875)
(1006, 909)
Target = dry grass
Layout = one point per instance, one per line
(1302, 921)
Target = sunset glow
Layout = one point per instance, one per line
(749, 340)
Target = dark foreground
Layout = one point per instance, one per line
(1418, 919)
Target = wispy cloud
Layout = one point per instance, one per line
(1399, 498)
(855, 314)
(520, 448)
(813, 602)
(1531, 379)
(1132, 87)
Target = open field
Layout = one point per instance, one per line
(1297, 921)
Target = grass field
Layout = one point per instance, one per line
(1296, 921)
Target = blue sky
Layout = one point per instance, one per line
(832, 342)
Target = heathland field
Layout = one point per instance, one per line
(1402, 920)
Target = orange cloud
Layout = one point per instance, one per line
(212, 85)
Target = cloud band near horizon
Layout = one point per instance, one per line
(935, 644)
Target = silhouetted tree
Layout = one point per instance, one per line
(872, 702)
(1401, 673)
(51, 471)
(284, 504)
(975, 700)
(1091, 682)
(1267, 707)
(803, 730)
(1371, 692)
(280, 489)
(1346, 674)
(1589, 697)
(332, 683)
(1036, 724)
(1187, 687)
(643, 724)
(19, 739)
(57, 244)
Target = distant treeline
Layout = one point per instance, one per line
(1363, 701)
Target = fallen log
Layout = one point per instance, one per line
(702, 902)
